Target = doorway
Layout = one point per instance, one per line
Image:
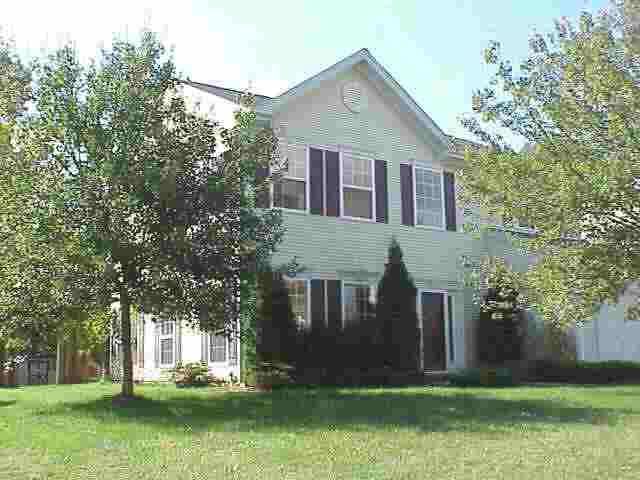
(437, 345)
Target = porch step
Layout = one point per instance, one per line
(435, 378)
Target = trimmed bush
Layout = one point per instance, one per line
(585, 372)
(483, 377)
(397, 315)
(277, 331)
(500, 336)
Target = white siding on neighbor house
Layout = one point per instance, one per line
(610, 336)
(219, 109)
(191, 352)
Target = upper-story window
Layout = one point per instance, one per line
(358, 190)
(290, 191)
(429, 198)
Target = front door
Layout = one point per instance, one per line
(433, 331)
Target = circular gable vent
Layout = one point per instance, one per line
(352, 96)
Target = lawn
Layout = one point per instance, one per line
(432, 432)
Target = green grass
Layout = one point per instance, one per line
(536, 432)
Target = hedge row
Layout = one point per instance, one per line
(585, 372)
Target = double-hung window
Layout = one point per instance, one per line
(357, 187)
(359, 303)
(217, 348)
(290, 191)
(167, 342)
(429, 198)
(298, 298)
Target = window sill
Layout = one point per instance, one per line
(356, 219)
(292, 210)
(428, 227)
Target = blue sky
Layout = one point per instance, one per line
(433, 48)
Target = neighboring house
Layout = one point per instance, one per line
(158, 346)
(366, 163)
(610, 336)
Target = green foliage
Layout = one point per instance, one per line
(574, 102)
(500, 333)
(277, 327)
(396, 313)
(129, 199)
(248, 329)
(585, 372)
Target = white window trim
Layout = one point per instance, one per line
(307, 294)
(343, 284)
(447, 333)
(372, 189)
(307, 193)
(415, 198)
(226, 350)
(172, 337)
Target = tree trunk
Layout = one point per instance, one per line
(60, 362)
(106, 357)
(125, 345)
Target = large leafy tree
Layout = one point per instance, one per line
(163, 214)
(42, 292)
(574, 103)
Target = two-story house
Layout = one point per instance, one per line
(366, 163)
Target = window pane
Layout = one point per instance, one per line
(218, 348)
(429, 198)
(298, 298)
(289, 194)
(359, 303)
(297, 161)
(358, 203)
(166, 328)
(166, 351)
(356, 172)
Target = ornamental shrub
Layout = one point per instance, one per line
(397, 314)
(500, 330)
(191, 374)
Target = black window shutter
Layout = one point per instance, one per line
(334, 305)
(450, 200)
(317, 304)
(332, 163)
(262, 197)
(406, 191)
(317, 184)
(382, 207)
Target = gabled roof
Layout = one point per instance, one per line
(459, 145)
(382, 78)
(266, 105)
(263, 102)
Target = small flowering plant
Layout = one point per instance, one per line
(191, 374)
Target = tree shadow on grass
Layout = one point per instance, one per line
(328, 409)
(6, 403)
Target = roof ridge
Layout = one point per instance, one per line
(233, 90)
